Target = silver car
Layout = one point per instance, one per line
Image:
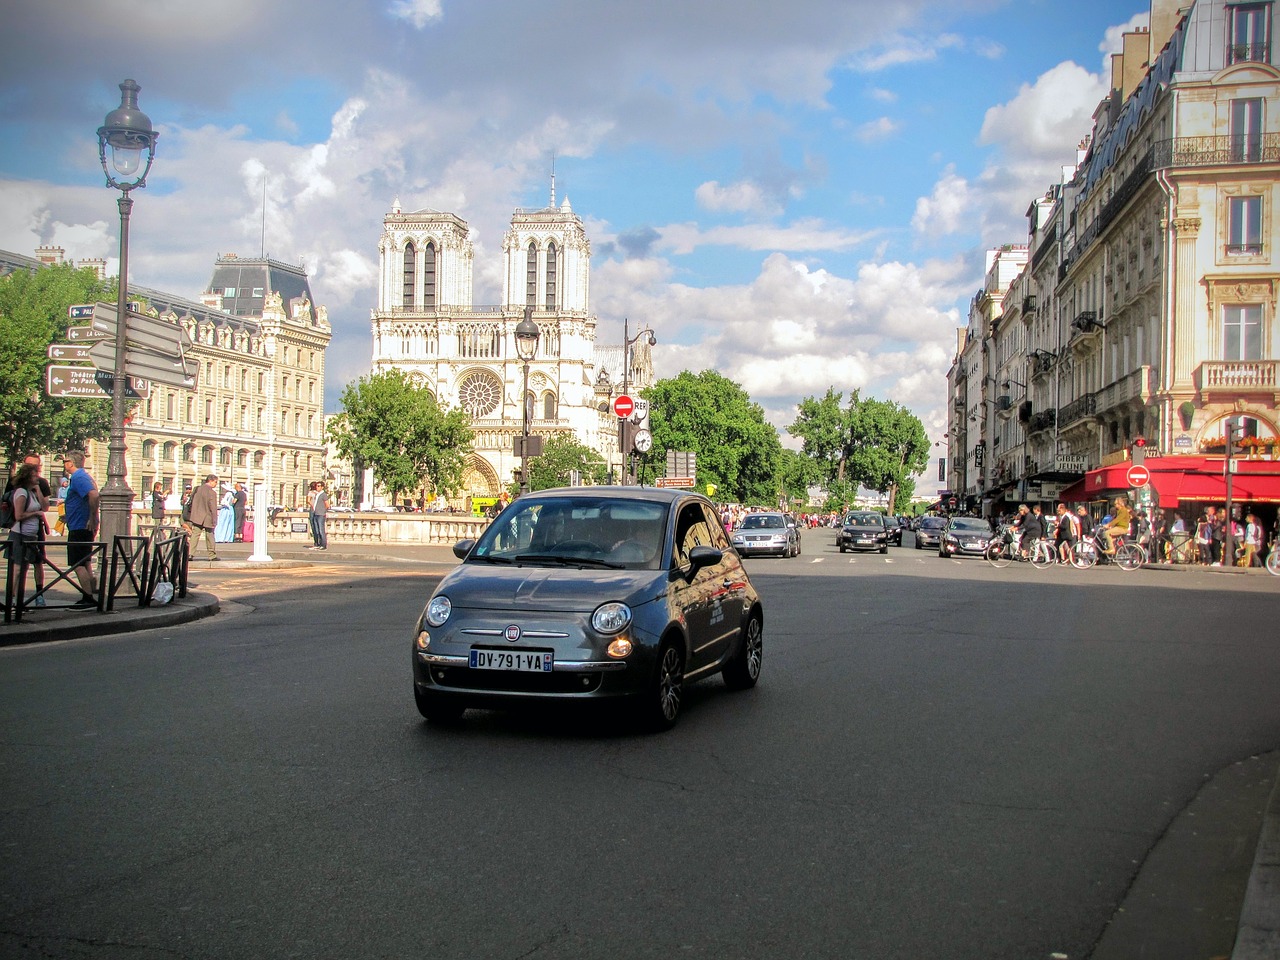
(767, 534)
(589, 593)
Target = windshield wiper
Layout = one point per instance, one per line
(567, 561)
(490, 558)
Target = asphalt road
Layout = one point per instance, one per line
(941, 759)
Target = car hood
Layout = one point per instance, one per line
(548, 588)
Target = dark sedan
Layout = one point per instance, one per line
(965, 537)
(929, 532)
(864, 531)
(589, 593)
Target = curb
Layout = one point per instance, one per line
(124, 619)
(1258, 936)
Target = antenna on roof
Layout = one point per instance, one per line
(553, 179)
(262, 249)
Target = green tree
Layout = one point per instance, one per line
(400, 432)
(713, 417)
(795, 472)
(876, 444)
(563, 454)
(33, 315)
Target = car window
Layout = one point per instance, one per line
(971, 524)
(627, 532)
(762, 521)
(692, 530)
(865, 520)
(719, 539)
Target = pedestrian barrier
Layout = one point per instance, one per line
(169, 564)
(15, 599)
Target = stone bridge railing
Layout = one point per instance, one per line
(428, 529)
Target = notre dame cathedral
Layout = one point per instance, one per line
(426, 326)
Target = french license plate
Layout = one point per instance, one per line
(864, 542)
(525, 661)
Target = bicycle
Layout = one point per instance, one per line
(1128, 555)
(1273, 557)
(1003, 550)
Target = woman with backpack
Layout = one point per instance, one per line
(28, 503)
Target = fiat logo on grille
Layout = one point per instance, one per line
(512, 633)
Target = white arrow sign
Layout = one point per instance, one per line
(146, 365)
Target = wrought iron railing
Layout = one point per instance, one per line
(1208, 151)
(1043, 420)
(1078, 409)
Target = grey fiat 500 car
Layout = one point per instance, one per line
(586, 593)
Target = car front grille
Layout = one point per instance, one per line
(500, 681)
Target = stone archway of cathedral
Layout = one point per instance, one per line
(479, 479)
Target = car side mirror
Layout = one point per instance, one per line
(462, 548)
(704, 556)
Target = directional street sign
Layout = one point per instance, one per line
(146, 364)
(674, 482)
(81, 311)
(67, 352)
(148, 333)
(63, 381)
(86, 333)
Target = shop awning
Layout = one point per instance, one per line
(1179, 479)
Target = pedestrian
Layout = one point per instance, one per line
(318, 506)
(239, 507)
(82, 526)
(1252, 541)
(43, 532)
(203, 517)
(157, 508)
(26, 537)
(225, 532)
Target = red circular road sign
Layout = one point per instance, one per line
(623, 406)
(1138, 475)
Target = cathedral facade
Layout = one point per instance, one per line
(426, 326)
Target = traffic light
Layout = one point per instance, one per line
(1234, 434)
(1138, 452)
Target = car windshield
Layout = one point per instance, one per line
(970, 524)
(932, 523)
(762, 522)
(864, 520)
(576, 531)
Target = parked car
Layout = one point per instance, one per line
(929, 532)
(767, 534)
(589, 593)
(864, 531)
(965, 537)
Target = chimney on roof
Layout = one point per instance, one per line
(97, 265)
(50, 255)
(1164, 19)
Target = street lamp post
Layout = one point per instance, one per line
(527, 334)
(128, 132)
(627, 343)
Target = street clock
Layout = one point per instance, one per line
(643, 441)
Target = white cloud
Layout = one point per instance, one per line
(419, 13)
(741, 197)
(1048, 117)
(943, 211)
(881, 128)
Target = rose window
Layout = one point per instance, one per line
(480, 393)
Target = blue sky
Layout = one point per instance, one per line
(798, 196)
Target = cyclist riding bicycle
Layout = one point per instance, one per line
(1121, 520)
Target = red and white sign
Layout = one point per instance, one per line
(623, 405)
(1138, 476)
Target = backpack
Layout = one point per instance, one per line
(7, 514)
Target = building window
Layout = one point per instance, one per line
(208, 412)
(1250, 33)
(1242, 331)
(170, 407)
(429, 300)
(191, 410)
(1246, 130)
(549, 407)
(531, 277)
(1244, 225)
(551, 275)
(226, 413)
(226, 375)
(257, 291)
(262, 381)
(410, 268)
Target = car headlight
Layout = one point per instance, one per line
(438, 611)
(611, 617)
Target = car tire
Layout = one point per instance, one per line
(885, 548)
(743, 669)
(842, 548)
(659, 707)
(438, 708)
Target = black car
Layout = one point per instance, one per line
(865, 531)
(589, 593)
(965, 537)
(929, 532)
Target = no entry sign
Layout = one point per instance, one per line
(623, 406)
(1138, 476)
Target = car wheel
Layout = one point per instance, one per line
(436, 708)
(743, 670)
(660, 705)
(842, 548)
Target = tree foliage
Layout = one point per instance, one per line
(872, 443)
(33, 315)
(713, 417)
(400, 432)
(563, 454)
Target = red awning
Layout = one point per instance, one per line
(1178, 479)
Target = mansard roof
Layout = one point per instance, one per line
(244, 283)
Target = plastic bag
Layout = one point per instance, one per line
(162, 592)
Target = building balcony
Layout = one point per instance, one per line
(1081, 409)
(1138, 385)
(1041, 363)
(1044, 420)
(1249, 53)
(1230, 377)
(1087, 323)
(1212, 151)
